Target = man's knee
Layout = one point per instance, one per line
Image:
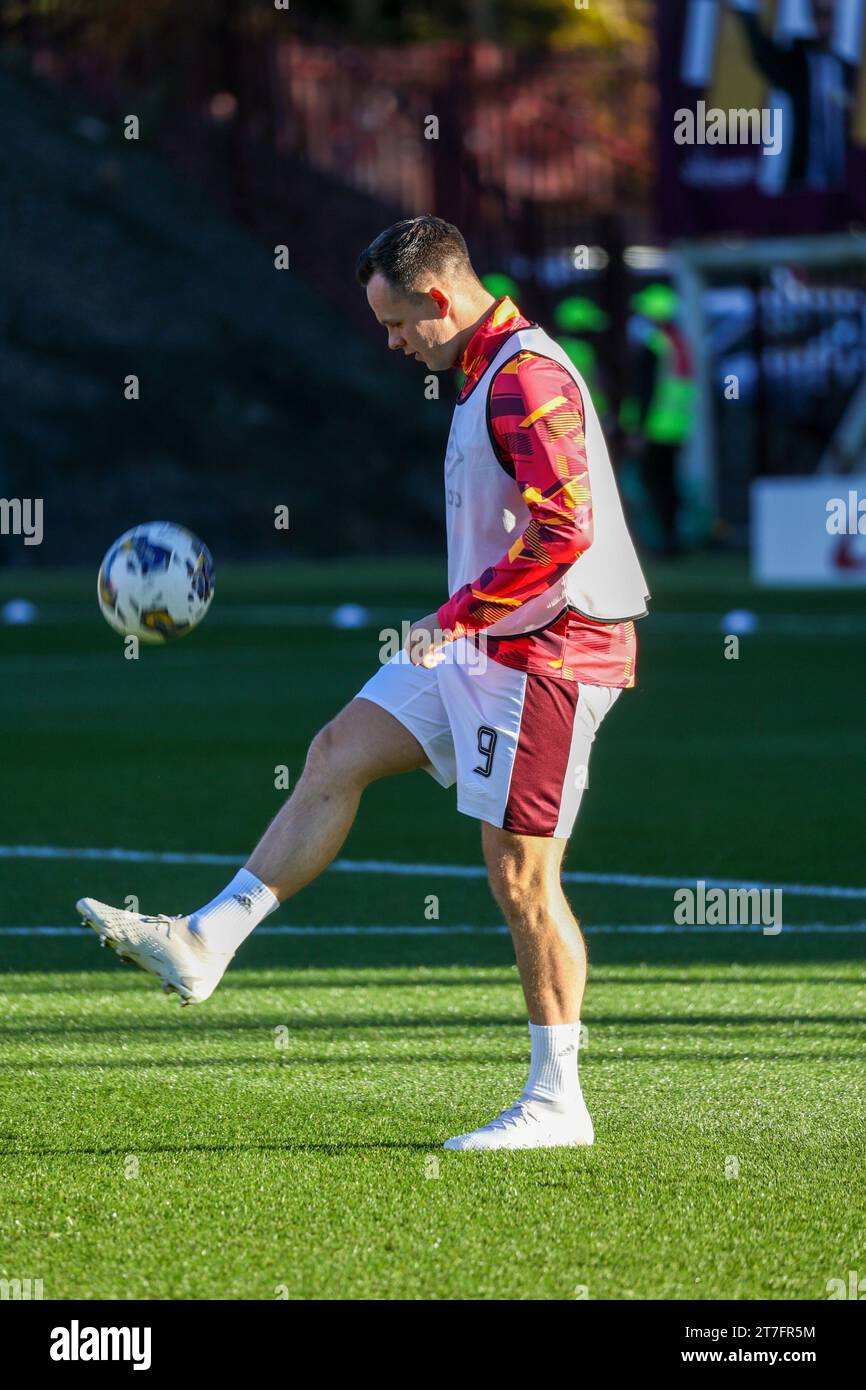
(333, 756)
(524, 874)
(359, 745)
(523, 897)
(362, 744)
(521, 888)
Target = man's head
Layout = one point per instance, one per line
(422, 288)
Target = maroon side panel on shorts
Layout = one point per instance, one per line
(541, 760)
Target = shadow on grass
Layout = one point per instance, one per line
(289, 1146)
(213, 1024)
(294, 955)
(618, 1058)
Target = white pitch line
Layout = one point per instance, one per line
(388, 866)
(117, 856)
(639, 929)
(805, 890)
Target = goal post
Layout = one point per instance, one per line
(809, 313)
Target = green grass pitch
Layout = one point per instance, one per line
(284, 1139)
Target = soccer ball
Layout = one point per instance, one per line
(156, 582)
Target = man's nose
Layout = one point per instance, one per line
(395, 341)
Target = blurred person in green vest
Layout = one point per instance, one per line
(497, 283)
(579, 315)
(574, 315)
(658, 413)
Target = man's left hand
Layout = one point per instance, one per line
(426, 642)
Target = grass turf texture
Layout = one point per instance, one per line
(305, 1167)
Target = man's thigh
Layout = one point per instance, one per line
(409, 696)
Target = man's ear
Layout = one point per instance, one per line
(441, 300)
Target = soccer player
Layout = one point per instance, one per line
(501, 690)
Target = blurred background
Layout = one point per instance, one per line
(714, 297)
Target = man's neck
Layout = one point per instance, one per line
(480, 308)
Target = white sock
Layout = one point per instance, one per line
(229, 918)
(553, 1066)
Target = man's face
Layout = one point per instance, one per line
(416, 326)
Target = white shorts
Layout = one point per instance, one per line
(516, 744)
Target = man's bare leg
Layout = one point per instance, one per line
(189, 955)
(361, 745)
(524, 874)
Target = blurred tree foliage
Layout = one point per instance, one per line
(119, 28)
(252, 389)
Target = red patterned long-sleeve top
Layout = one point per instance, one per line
(551, 471)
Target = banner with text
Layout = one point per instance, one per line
(762, 116)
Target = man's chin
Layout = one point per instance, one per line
(434, 366)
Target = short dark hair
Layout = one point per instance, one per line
(402, 253)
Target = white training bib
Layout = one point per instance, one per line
(485, 511)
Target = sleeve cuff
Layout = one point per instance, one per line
(448, 622)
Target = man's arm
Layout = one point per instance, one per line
(537, 422)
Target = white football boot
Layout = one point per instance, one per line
(531, 1124)
(164, 946)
